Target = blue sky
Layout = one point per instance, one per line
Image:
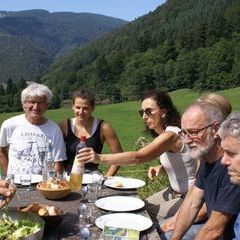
(124, 9)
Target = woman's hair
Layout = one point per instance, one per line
(164, 101)
(84, 94)
(219, 101)
(36, 90)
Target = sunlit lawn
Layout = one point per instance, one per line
(129, 127)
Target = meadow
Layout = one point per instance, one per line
(129, 127)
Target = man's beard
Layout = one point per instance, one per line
(201, 152)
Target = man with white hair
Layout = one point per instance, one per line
(200, 124)
(230, 135)
(26, 138)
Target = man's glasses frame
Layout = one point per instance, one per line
(193, 133)
(31, 103)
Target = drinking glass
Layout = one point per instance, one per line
(10, 178)
(84, 233)
(97, 177)
(93, 188)
(92, 194)
(25, 177)
(83, 192)
(85, 215)
(11, 187)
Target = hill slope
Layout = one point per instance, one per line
(31, 40)
(182, 44)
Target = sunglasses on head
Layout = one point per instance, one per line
(147, 111)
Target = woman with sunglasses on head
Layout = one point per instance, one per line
(96, 131)
(163, 120)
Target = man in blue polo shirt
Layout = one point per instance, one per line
(230, 135)
(200, 124)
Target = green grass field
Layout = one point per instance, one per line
(129, 126)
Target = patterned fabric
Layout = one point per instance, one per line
(28, 143)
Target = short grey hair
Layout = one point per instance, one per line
(231, 126)
(36, 90)
(210, 111)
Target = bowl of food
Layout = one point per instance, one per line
(54, 188)
(15, 224)
(52, 215)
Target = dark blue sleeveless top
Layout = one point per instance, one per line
(72, 141)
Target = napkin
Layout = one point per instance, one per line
(111, 233)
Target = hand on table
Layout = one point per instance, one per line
(154, 171)
(7, 191)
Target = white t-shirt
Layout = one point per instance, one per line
(28, 143)
(180, 167)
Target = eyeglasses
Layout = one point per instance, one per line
(193, 133)
(147, 111)
(36, 102)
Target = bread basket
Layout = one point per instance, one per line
(54, 192)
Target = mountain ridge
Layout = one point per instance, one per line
(182, 44)
(51, 34)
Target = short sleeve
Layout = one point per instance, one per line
(200, 180)
(59, 148)
(4, 136)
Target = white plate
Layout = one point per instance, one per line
(124, 220)
(120, 203)
(35, 178)
(123, 182)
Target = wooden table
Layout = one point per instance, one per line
(69, 205)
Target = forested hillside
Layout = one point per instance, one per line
(31, 40)
(182, 44)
